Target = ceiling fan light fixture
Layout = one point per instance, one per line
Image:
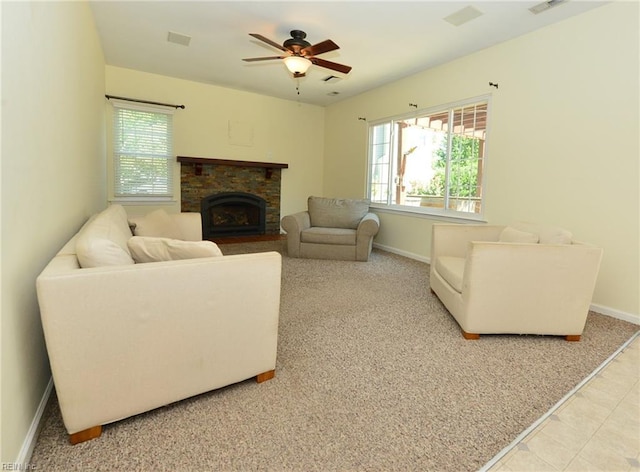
(297, 64)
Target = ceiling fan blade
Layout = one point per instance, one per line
(270, 58)
(320, 48)
(330, 65)
(268, 41)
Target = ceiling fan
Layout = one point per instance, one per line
(300, 54)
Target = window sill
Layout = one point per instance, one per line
(421, 212)
(143, 201)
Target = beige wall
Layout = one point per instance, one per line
(563, 146)
(53, 178)
(282, 131)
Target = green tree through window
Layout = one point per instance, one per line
(465, 158)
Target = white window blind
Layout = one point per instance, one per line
(143, 151)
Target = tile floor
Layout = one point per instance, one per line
(596, 427)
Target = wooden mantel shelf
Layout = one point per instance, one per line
(229, 162)
(200, 161)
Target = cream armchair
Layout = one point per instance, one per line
(520, 279)
(332, 229)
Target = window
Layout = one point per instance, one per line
(142, 152)
(431, 162)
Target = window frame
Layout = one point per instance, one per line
(419, 211)
(141, 198)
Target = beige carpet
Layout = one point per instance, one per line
(372, 375)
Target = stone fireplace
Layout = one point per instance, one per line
(235, 198)
(233, 214)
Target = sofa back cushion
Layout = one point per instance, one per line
(546, 234)
(103, 240)
(158, 224)
(337, 213)
(513, 235)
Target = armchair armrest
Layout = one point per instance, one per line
(293, 225)
(296, 222)
(367, 229)
(369, 226)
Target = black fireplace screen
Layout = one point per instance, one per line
(233, 214)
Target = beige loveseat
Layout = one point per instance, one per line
(125, 337)
(332, 228)
(518, 279)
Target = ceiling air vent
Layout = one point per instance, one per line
(463, 16)
(178, 38)
(540, 7)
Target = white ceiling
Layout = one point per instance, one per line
(382, 41)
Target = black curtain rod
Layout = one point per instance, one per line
(146, 101)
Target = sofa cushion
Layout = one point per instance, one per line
(103, 240)
(547, 234)
(336, 213)
(152, 249)
(451, 269)
(319, 235)
(158, 224)
(513, 235)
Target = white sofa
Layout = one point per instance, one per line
(518, 279)
(124, 337)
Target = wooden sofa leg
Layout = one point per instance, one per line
(86, 435)
(466, 335)
(263, 377)
(573, 337)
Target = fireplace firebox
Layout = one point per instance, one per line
(233, 214)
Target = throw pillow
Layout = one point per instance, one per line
(547, 234)
(158, 224)
(512, 235)
(152, 249)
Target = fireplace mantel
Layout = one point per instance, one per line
(200, 161)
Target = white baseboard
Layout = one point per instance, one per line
(612, 312)
(604, 310)
(29, 443)
(410, 255)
